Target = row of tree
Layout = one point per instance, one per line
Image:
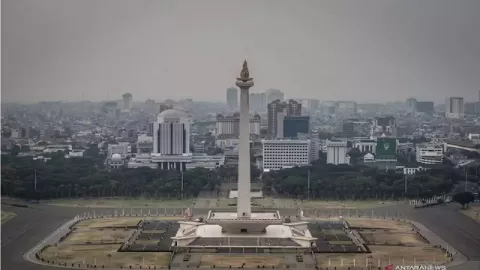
(82, 177)
(326, 181)
(86, 177)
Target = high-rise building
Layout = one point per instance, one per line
(292, 108)
(258, 102)
(294, 124)
(427, 107)
(454, 108)
(274, 94)
(411, 105)
(127, 102)
(232, 97)
(274, 108)
(171, 133)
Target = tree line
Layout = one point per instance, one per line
(344, 182)
(62, 177)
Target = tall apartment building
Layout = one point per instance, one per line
(292, 108)
(232, 97)
(454, 108)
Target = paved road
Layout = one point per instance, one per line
(32, 225)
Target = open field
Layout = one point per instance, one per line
(236, 261)
(378, 223)
(386, 255)
(104, 255)
(266, 202)
(263, 202)
(6, 216)
(122, 203)
(226, 202)
(118, 222)
(93, 243)
(346, 204)
(473, 212)
(390, 242)
(98, 236)
(392, 238)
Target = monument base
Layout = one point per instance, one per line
(260, 230)
(232, 223)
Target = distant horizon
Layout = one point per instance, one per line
(222, 101)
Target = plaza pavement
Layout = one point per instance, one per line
(32, 225)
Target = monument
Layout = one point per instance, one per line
(244, 228)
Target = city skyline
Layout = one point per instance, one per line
(373, 51)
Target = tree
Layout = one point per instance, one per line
(464, 198)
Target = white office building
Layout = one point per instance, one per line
(337, 151)
(365, 145)
(278, 154)
(429, 153)
(171, 139)
(230, 125)
(454, 108)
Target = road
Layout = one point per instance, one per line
(32, 225)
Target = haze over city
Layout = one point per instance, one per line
(371, 50)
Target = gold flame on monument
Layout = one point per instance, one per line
(245, 74)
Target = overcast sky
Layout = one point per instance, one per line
(363, 50)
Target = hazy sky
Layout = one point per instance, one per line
(364, 50)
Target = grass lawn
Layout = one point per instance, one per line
(123, 203)
(6, 216)
(263, 202)
(226, 202)
(346, 204)
(236, 261)
(98, 236)
(378, 223)
(118, 222)
(105, 255)
(473, 212)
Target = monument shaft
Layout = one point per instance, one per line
(243, 203)
(243, 200)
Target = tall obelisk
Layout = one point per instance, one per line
(244, 82)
